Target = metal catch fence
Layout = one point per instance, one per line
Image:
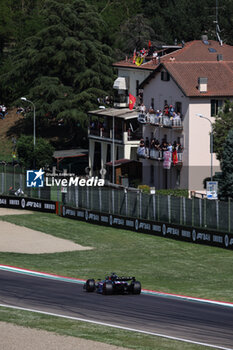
(211, 214)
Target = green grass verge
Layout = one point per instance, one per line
(159, 263)
(99, 333)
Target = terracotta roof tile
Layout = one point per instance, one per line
(186, 74)
(198, 51)
(195, 60)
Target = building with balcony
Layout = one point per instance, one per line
(113, 134)
(195, 78)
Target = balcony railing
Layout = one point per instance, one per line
(150, 153)
(100, 132)
(162, 121)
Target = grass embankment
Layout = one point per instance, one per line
(160, 264)
(84, 330)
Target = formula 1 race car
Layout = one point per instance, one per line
(114, 285)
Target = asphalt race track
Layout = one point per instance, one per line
(199, 322)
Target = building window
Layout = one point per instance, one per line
(152, 103)
(178, 107)
(165, 76)
(137, 87)
(216, 105)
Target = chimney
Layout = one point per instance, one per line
(202, 84)
(219, 57)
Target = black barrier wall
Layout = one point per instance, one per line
(179, 232)
(28, 203)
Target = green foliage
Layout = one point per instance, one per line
(223, 123)
(187, 20)
(226, 183)
(144, 188)
(64, 68)
(176, 193)
(135, 33)
(169, 192)
(40, 157)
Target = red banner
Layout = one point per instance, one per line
(132, 101)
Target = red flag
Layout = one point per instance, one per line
(149, 44)
(174, 157)
(132, 101)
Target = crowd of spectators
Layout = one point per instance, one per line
(167, 117)
(155, 150)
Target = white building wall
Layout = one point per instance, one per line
(199, 143)
(169, 91)
(134, 75)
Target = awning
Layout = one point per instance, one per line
(120, 84)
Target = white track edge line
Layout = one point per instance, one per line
(116, 326)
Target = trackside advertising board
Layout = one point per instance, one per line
(179, 232)
(28, 203)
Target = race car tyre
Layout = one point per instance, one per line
(107, 288)
(136, 287)
(90, 285)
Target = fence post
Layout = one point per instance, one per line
(76, 196)
(193, 211)
(154, 205)
(217, 214)
(140, 205)
(200, 211)
(87, 201)
(229, 214)
(100, 199)
(3, 180)
(158, 211)
(184, 210)
(169, 208)
(126, 202)
(180, 210)
(113, 202)
(205, 212)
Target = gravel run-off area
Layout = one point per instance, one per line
(18, 239)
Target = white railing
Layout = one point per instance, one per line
(161, 120)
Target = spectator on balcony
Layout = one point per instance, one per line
(157, 145)
(171, 111)
(152, 143)
(151, 110)
(142, 142)
(174, 146)
(169, 147)
(163, 146)
(179, 152)
(141, 151)
(142, 108)
(166, 110)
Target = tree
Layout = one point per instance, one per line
(64, 68)
(223, 123)
(226, 182)
(41, 155)
(135, 34)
